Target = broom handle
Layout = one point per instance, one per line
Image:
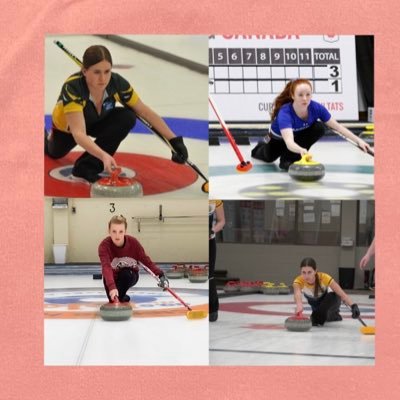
(147, 269)
(359, 318)
(163, 139)
(370, 152)
(178, 298)
(226, 131)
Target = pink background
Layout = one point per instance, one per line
(23, 26)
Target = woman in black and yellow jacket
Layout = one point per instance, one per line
(87, 107)
(323, 294)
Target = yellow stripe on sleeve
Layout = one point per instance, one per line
(73, 107)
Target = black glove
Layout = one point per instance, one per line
(164, 283)
(181, 154)
(355, 311)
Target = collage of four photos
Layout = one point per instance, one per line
(209, 200)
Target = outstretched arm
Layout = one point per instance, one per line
(288, 137)
(333, 124)
(355, 312)
(340, 292)
(298, 298)
(153, 118)
(370, 252)
(144, 111)
(106, 270)
(77, 127)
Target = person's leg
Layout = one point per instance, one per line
(212, 289)
(329, 303)
(334, 310)
(304, 139)
(314, 303)
(269, 149)
(314, 133)
(126, 279)
(109, 133)
(58, 143)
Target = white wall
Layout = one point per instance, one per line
(280, 263)
(174, 240)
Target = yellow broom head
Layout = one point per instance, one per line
(196, 314)
(204, 187)
(367, 330)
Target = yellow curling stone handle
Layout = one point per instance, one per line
(306, 159)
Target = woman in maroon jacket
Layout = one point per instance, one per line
(120, 255)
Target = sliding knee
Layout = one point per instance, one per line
(126, 121)
(262, 152)
(127, 277)
(55, 153)
(318, 317)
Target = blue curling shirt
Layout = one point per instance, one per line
(287, 118)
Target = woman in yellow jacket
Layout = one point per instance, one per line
(322, 293)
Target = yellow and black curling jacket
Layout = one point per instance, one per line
(324, 281)
(75, 97)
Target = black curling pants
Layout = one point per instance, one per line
(325, 309)
(275, 148)
(126, 278)
(109, 133)
(213, 303)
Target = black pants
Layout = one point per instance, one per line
(275, 148)
(126, 278)
(213, 303)
(325, 309)
(109, 133)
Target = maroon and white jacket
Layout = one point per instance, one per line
(113, 258)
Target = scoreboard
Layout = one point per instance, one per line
(247, 72)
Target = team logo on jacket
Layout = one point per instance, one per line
(108, 105)
(124, 262)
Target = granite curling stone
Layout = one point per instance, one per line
(116, 311)
(298, 323)
(368, 135)
(306, 170)
(198, 275)
(116, 186)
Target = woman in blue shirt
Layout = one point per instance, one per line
(297, 123)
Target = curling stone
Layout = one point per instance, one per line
(368, 135)
(176, 272)
(198, 275)
(116, 311)
(232, 287)
(283, 288)
(306, 170)
(116, 186)
(270, 288)
(249, 287)
(298, 323)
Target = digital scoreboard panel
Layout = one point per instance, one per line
(247, 72)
